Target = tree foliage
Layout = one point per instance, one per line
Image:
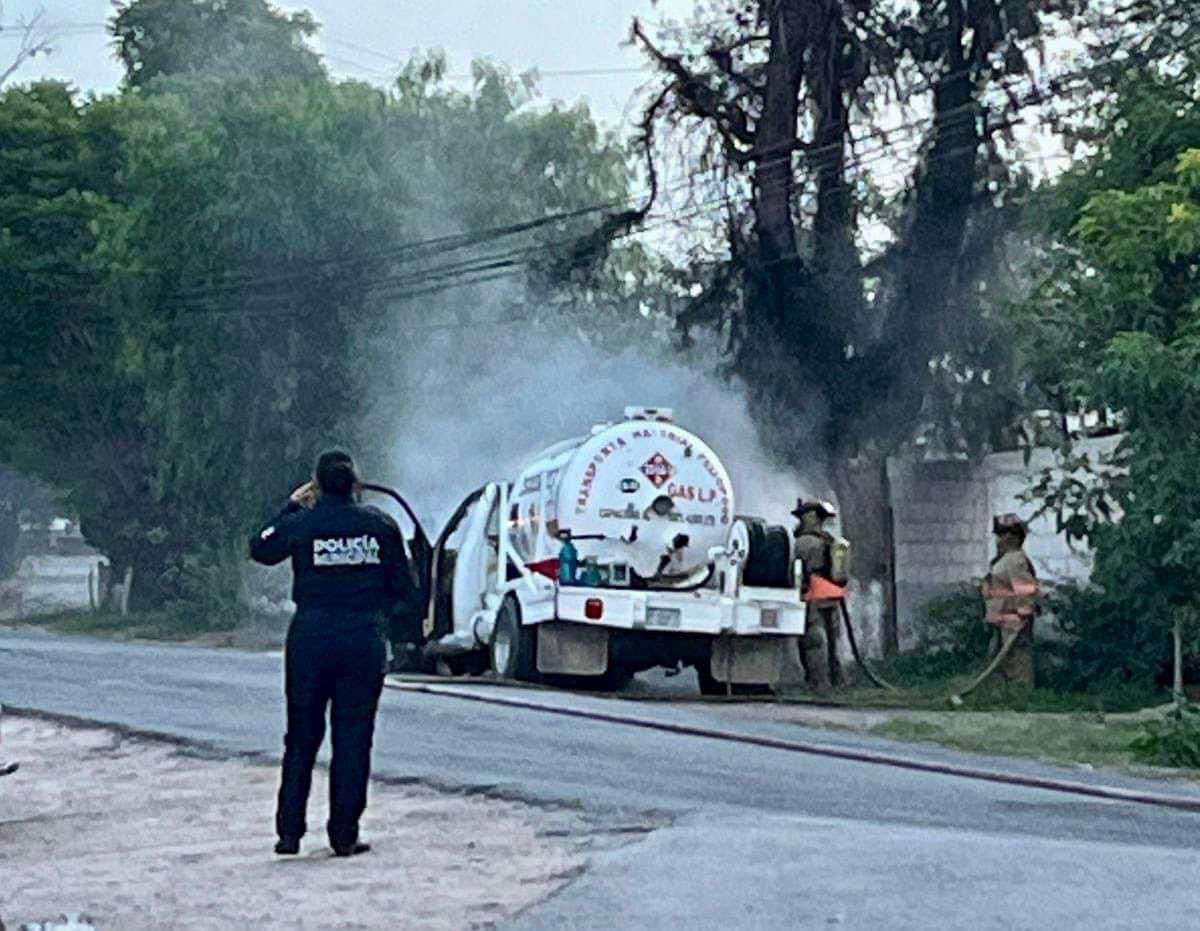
(221, 37)
(1115, 325)
(785, 95)
(204, 272)
(863, 262)
(866, 263)
(75, 420)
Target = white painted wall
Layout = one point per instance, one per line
(943, 512)
(48, 583)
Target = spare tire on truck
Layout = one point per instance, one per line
(769, 560)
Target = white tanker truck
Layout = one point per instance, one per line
(614, 553)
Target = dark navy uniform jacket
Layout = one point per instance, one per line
(348, 559)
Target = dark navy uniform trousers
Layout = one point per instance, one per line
(333, 664)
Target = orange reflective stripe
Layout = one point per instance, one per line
(1017, 590)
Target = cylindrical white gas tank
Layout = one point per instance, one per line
(638, 485)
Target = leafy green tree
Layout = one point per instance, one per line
(785, 103)
(207, 272)
(73, 414)
(230, 37)
(252, 204)
(1115, 325)
(788, 109)
(559, 164)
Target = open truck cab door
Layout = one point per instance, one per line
(467, 581)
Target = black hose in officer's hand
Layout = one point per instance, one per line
(862, 664)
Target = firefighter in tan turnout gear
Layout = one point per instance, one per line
(815, 546)
(1010, 591)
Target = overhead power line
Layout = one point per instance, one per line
(495, 266)
(400, 62)
(251, 283)
(858, 161)
(492, 266)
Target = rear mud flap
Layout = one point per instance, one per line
(572, 649)
(751, 660)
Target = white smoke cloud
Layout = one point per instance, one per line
(473, 403)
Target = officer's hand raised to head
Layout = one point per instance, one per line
(306, 495)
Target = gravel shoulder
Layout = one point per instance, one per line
(138, 834)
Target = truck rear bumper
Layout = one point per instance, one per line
(570, 648)
(767, 612)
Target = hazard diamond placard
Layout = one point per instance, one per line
(658, 470)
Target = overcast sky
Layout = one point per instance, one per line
(366, 38)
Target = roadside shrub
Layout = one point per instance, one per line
(1087, 642)
(950, 636)
(1172, 741)
(1106, 640)
(952, 624)
(206, 589)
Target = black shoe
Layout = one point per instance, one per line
(350, 850)
(288, 846)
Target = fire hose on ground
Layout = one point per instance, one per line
(955, 698)
(858, 658)
(1009, 641)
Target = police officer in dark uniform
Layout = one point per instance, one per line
(350, 572)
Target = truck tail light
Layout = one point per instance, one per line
(593, 609)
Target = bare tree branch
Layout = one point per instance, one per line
(34, 41)
(722, 55)
(729, 120)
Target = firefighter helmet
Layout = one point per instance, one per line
(825, 510)
(1009, 523)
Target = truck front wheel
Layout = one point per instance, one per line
(514, 646)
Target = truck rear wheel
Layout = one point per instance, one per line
(513, 647)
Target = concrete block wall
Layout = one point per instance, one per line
(937, 508)
(942, 513)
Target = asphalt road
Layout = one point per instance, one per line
(735, 836)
